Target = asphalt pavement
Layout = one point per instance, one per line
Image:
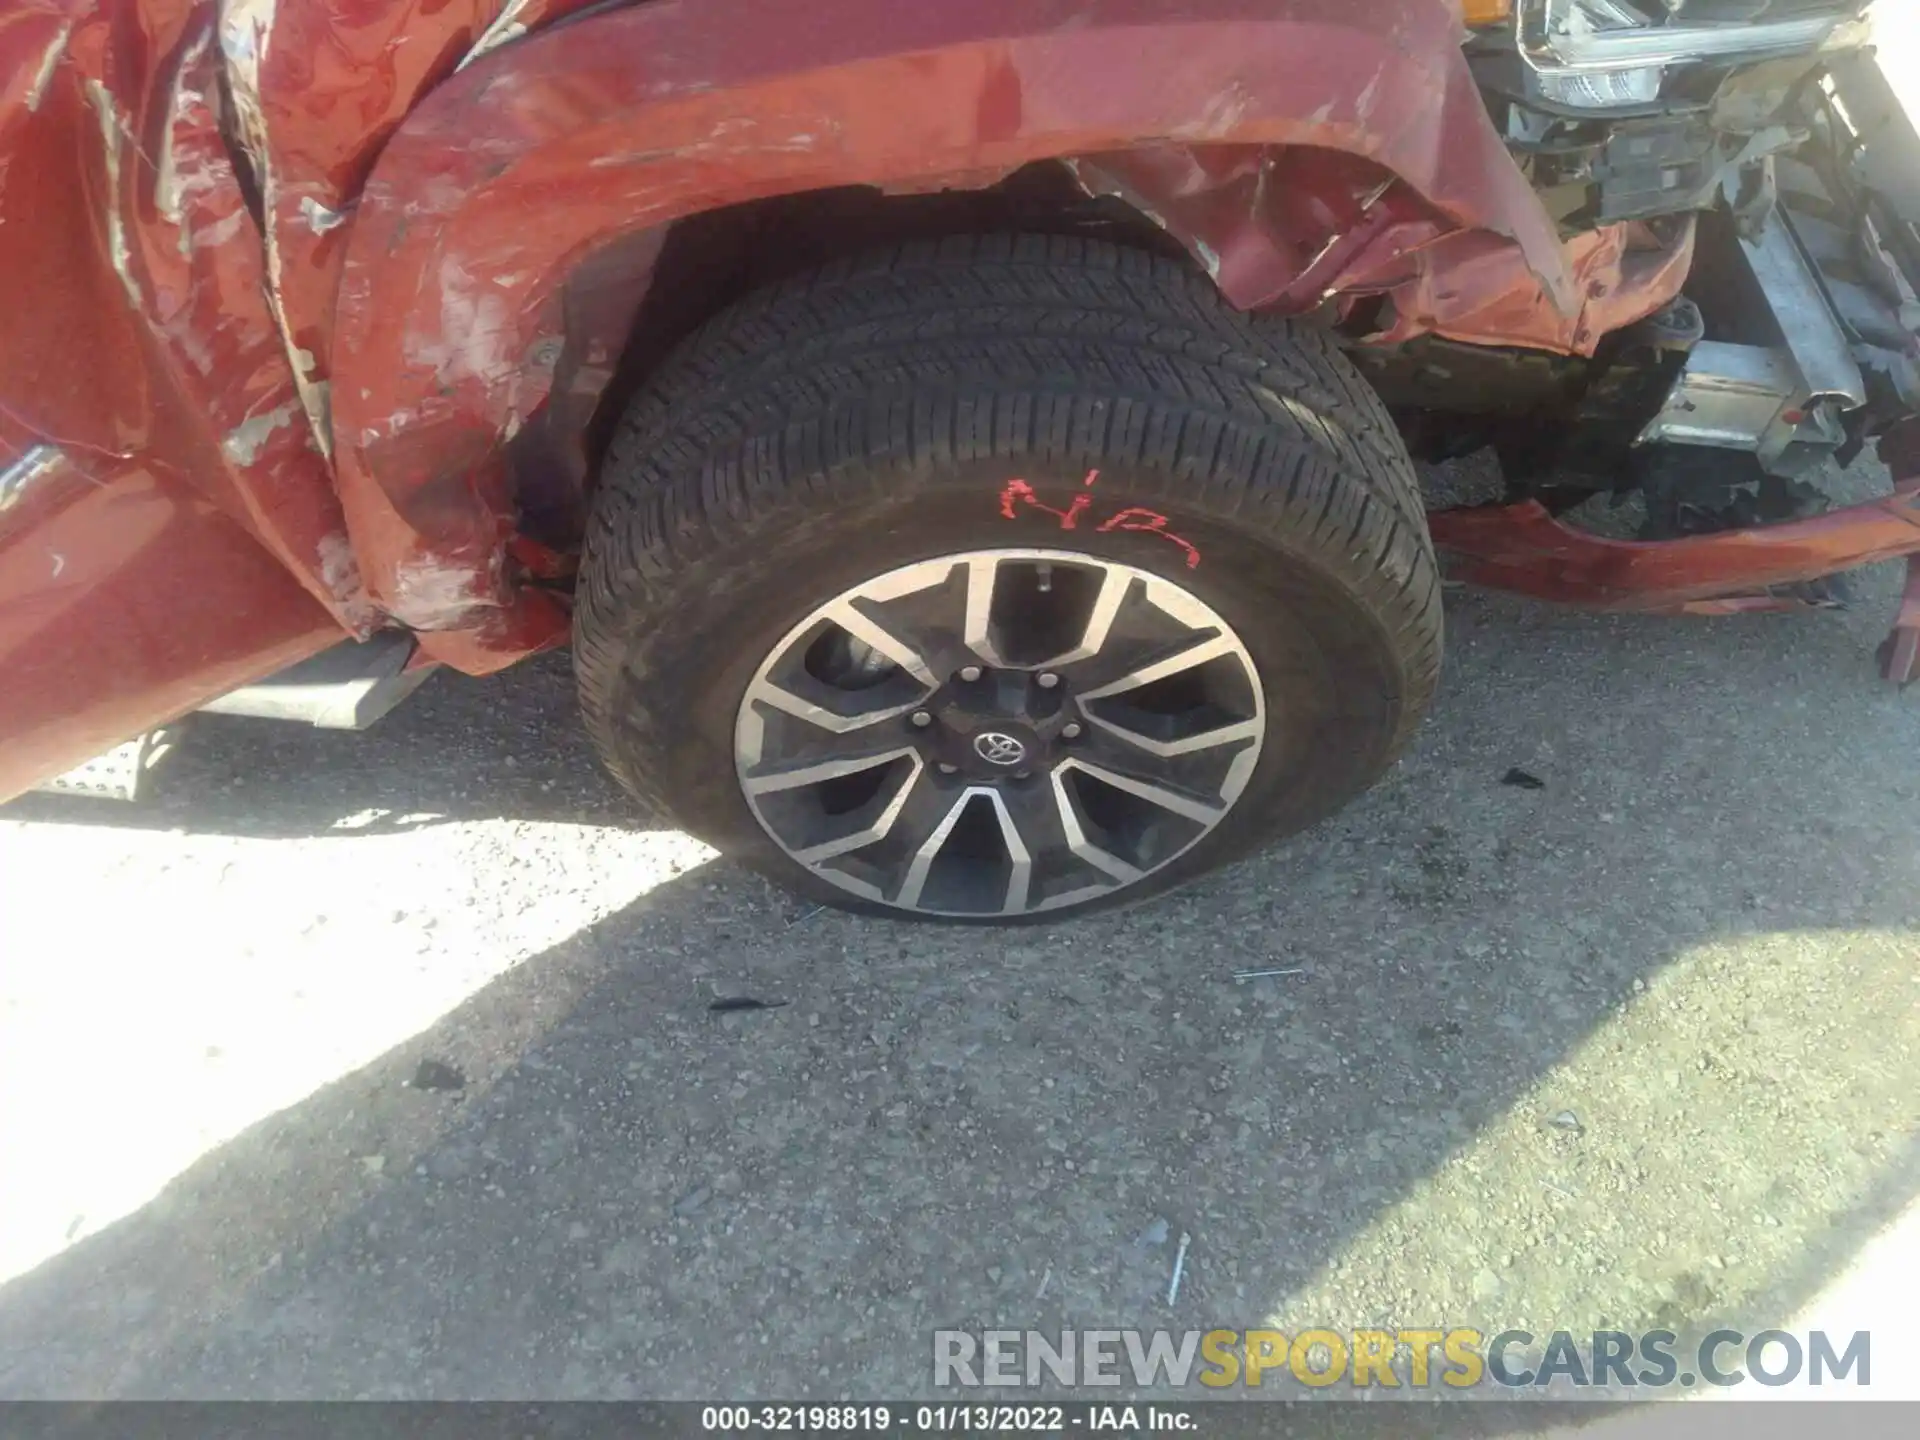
(386, 1065)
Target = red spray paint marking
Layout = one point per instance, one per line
(1154, 523)
(1023, 492)
(1018, 492)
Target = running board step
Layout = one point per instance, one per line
(117, 774)
(345, 688)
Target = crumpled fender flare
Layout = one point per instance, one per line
(526, 161)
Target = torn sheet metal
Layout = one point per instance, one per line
(148, 337)
(1900, 654)
(148, 360)
(640, 116)
(246, 35)
(1524, 549)
(318, 90)
(1290, 230)
(1469, 289)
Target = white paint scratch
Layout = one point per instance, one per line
(170, 186)
(112, 133)
(429, 595)
(222, 231)
(340, 573)
(317, 395)
(243, 442)
(507, 26)
(33, 466)
(43, 77)
(246, 31)
(474, 336)
(320, 218)
(167, 197)
(1224, 111)
(339, 566)
(1363, 107)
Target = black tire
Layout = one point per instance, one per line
(872, 413)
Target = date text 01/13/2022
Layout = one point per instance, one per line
(943, 1419)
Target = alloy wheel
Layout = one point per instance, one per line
(999, 732)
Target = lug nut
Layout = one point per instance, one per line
(1070, 730)
(969, 673)
(1048, 680)
(946, 769)
(922, 719)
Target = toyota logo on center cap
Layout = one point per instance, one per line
(998, 749)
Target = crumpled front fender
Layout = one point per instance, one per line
(527, 161)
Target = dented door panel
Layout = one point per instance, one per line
(169, 527)
(127, 598)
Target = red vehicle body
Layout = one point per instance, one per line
(312, 306)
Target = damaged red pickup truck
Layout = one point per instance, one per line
(968, 444)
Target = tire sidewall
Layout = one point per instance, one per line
(1333, 685)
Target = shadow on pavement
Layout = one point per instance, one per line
(509, 746)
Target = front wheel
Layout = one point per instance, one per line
(1003, 579)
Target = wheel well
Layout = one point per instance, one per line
(674, 282)
(711, 260)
